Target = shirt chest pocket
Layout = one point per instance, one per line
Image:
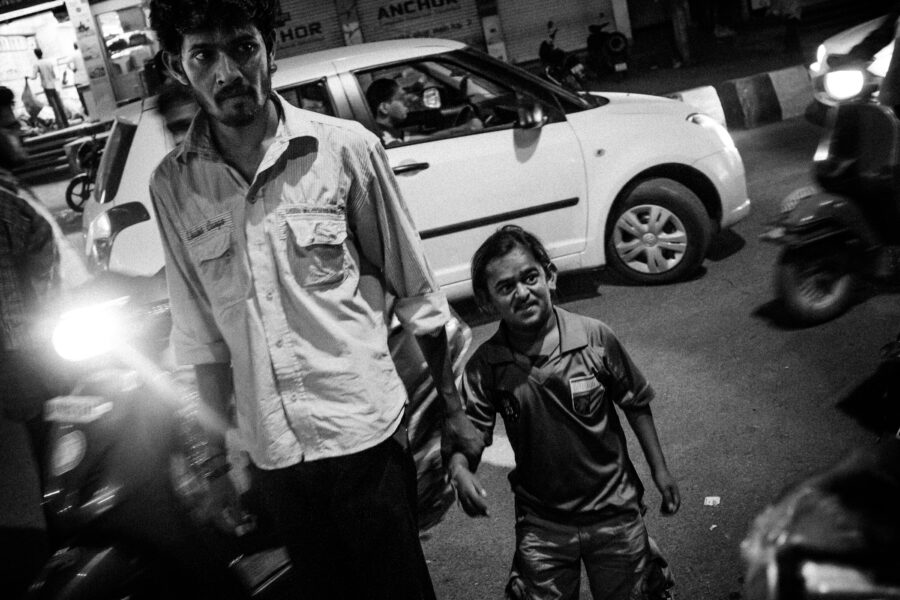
(221, 272)
(315, 250)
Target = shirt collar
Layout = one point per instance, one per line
(572, 336)
(292, 123)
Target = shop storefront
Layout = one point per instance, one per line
(524, 23)
(392, 19)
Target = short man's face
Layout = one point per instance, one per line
(519, 289)
(229, 72)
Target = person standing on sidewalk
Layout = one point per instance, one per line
(283, 231)
(45, 70)
(679, 15)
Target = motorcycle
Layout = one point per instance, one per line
(845, 229)
(607, 51)
(137, 505)
(836, 535)
(87, 157)
(560, 67)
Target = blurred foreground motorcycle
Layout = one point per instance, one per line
(136, 504)
(836, 536)
(847, 227)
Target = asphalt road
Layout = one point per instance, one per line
(745, 405)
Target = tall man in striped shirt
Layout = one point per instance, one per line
(284, 231)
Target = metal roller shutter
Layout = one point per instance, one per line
(524, 24)
(308, 25)
(392, 19)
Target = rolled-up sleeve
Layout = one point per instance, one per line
(196, 338)
(389, 240)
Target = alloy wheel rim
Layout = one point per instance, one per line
(650, 239)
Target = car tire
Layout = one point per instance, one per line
(658, 233)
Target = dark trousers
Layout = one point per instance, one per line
(349, 524)
(59, 110)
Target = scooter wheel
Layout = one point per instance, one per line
(78, 191)
(815, 284)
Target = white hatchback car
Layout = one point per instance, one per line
(636, 182)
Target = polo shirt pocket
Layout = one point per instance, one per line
(219, 268)
(316, 252)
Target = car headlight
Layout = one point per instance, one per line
(711, 124)
(844, 84)
(821, 54)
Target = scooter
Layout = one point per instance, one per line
(846, 229)
(607, 51)
(79, 190)
(137, 504)
(560, 67)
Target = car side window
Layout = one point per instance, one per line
(434, 99)
(311, 96)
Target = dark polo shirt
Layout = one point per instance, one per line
(571, 455)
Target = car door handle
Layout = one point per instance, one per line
(410, 167)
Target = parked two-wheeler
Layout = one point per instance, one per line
(562, 68)
(847, 228)
(80, 188)
(607, 51)
(137, 503)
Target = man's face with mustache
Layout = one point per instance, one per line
(229, 73)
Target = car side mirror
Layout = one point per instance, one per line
(431, 97)
(531, 115)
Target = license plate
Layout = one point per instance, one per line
(76, 409)
(621, 67)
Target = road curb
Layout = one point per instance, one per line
(748, 102)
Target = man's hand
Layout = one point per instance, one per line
(469, 492)
(460, 435)
(671, 497)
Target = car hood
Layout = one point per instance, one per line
(642, 104)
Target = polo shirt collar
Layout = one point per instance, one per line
(292, 124)
(572, 337)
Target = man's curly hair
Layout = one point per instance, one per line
(173, 19)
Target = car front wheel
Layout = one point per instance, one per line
(659, 233)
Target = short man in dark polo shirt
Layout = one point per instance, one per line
(555, 378)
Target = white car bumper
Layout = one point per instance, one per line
(726, 171)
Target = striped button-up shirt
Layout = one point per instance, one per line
(27, 257)
(285, 278)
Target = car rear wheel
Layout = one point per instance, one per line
(658, 233)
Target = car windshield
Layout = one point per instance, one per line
(517, 77)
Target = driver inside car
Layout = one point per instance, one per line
(387, 101)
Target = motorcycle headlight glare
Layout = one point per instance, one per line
(844, 84)
(711, 124)
(89, 332)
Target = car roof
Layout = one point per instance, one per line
(303, 67)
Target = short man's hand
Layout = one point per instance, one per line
(469, 492)
(668, 488)
(460, 435)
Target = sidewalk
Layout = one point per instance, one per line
(744, 80)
